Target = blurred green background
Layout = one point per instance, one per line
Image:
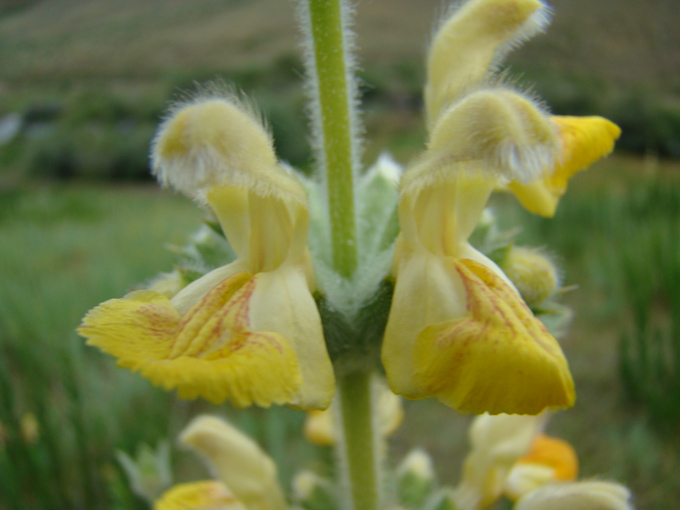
(83, 85)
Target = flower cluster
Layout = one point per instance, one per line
(272, 321)
(249, 332)
(510, 457)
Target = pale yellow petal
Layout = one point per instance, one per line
(238, 461)
(196, 290)
(536, 197)
(584, 140)
(214, 142)
(440, 217)
(208, 495)
(524, 478)
(471, 41)
(282, 302)
(428, 291)
(496, 134)
(498, 358)
(210, 351)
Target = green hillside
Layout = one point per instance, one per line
(622, 42)
(100, 73)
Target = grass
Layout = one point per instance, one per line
(65, 250)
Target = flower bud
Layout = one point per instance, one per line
(534, 274)
(313, 492)
(415, 479)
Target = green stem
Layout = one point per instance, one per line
(359, 455)
(335, 96)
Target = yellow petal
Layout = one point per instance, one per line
(265, 231)
(209, 351)
(208, 495)
(497, 359)
(281, 302)
(440, 217)
(471, 41)
(428, 291)
(584, 140)
(238, 461)
(494, 134)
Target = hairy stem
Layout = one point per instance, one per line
(359, 453)
(334, 90)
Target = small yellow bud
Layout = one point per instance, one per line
(304, 484)
(30, 428)
(534, 274)
(415, 479)
(417, 463)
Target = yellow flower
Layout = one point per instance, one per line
(549, 460)
(248, 478)
(238, 462)
(248, 332)
(467, 50)
(510, 456)
(496, 444)
(458, 330)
